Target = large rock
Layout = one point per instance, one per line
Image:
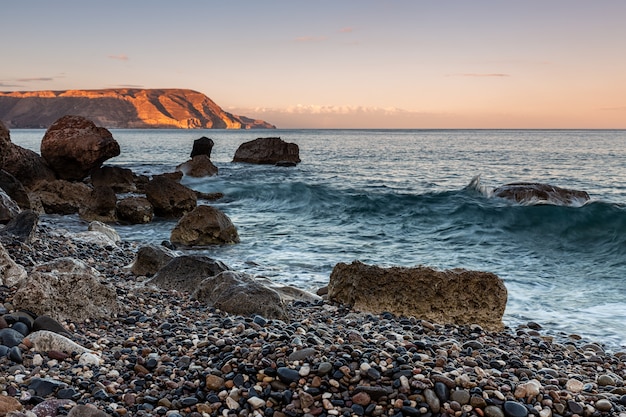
(202, 146)
(74, 145)
(184, 273)
(11, 273)
(536, 193)
(267, 151)
(100, 205)
(8, 208)
(454, 296)
(60, 196)
(135, 210)
(121, 180)
(21, 228)
(205, 225)
(25, 165)
(150, 259)
(198, 166)
(14, 189)
(169, 198)
(240, 294)
(67, 289)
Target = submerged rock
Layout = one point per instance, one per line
(198, 166)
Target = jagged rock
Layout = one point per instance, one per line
(135, 210)
(8, 208)
(184, 273)
(202, 146)
(267, 151)
(198, 166)
(169, 198)
(121, 180)
(15, 190)
(60, 196)
(74, 145)
(100, 205)
(22, 227)
(150, 259)
(11, 273)
(205, 225)
(67, 289)
(535, 193)
(25, 165)
(237, 293)
(454, 296)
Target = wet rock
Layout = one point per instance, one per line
(204, 225)
(8, 208)
(202, 146)
(22, 227)
(10, 337)
(100, 205)
(267, 151)
(121, 180)
(198, 166)
(14, 189)
(169, 198)
(514, 409)
(135, 210)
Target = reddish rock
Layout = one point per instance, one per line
(198, 166)
(100, 205)
(74, 145)
(61, 197)
(267, 151)
(135, 210)
(456, 296)
(169, 198)
(9, 404)
(205, 225)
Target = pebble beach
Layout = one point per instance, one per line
(168, 355)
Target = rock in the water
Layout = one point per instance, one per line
(198, 166)
(74, 145)
(22, 227)
(8, 208)
(150, 259)
(121, 180)
(205, 225)
(14, 189)
(454, 296)
(67, 289)
(185, 273)
(135, 210)
(202, 146)
(60, 196)
(169, 198)
(267, 151)
(238, 293)
(100, 205)
(535, 193)
(11, 274)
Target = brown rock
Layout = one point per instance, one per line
(214, 382)
(121, 180)
(205, 225)
(361, 398)
(185, 273)
(169, 198)
(135, 210)
(11, 273)
(533, 193)
(454, 296)
(267, 151)
(8, 208)
(100, 205)
(150, 259)
(198, 166)
(60, 196)
(74, 145)
(9, 404)
(14, 189)
(87, 410)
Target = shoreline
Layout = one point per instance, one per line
(170, 355)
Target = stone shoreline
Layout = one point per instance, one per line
(170, 355)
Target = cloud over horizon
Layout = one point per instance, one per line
(120, 57)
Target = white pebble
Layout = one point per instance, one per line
(37, 359)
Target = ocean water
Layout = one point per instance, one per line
(402, 197)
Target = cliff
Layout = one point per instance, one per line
(121, 108)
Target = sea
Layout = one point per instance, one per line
(416, 197)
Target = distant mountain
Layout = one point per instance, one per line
(121, 108)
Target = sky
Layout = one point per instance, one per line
(341, 63)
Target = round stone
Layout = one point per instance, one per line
(461, 396)
(574, 385)
(493, 411)
(604, 405)
(605, 380)
(288, 375)
(514, 409)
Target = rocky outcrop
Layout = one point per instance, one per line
(202, 146)
(122, 108)
(184, 273)
(60, 196)
(67, 289)
(198, 166)
(169, 198)
(150, 259)
(454, 296)
(536, 193)
(205, 225)
(268, 151)
(25, 165)
(134, 210)
(238, 293)
(74, 145)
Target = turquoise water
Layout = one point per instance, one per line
(401, 197)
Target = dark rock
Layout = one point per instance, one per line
(198, 166)
(15, 354)
(204, 225)
(73, 146)
(8, 208)
(150, 259)
(514, 409)
(121, 180)
(60, 196)
(22, 227)
(288, 375)
(21, 327)
(45, 386)
(169, 198)
(202, 146)
(100, 205)
(135, 210)
(44, 322)
(267, 151)
(10, 337)
(185, 273)
(14, 189)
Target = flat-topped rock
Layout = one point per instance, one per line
(271, 150)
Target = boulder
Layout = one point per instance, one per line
(202, 146)
(205, 225)
(240, 294)
(25, 165)
(74, 145)
(198, 166)
(454, 296)
(67, 289)
(100, 227)
(150, 259)
(100, 205)
(8, 208)
(11, 273)
(289, 293)
(121, 180)
(60, 196)
(267, 151)
(97, 233)
(169, 198)
(536, 193)
(134, 210)
(14, 189)
(184, 273)
(22, 227)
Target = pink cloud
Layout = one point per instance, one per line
(120, 57)
(346, 30)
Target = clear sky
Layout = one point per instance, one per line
(338, 63)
